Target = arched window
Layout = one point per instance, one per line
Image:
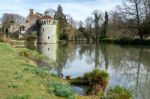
(27, 21)
(48, 37)
(53, 22)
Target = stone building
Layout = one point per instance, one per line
(48, 26)
(48, 29)
(29, 26)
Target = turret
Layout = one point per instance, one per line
(31, 11)
(48, 29)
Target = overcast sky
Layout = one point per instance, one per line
(78, 9)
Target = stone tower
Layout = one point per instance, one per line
(48, 29)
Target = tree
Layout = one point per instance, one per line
(71, 30)
(88, 28)
(89, 22)
(10, 19)
(133, 11)
(88, 25)
(51, 12)
(81, 29)
(145, 25)
(97, 19)
(105, 25)
(62, 21)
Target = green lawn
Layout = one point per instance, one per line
(15, 82)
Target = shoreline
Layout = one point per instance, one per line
(126, 41)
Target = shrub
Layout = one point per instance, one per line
(63, 36)
(20, 96)
(96, 75)
(18, 76)
(13, 84)
(25, 69)
(54, 75)
(39, 57)
(61, 89)
(43, 72)
(25, 53)
(1, 40)
(118, 93)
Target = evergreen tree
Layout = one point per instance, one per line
(105, 25)
(62, 23)
(81, 29)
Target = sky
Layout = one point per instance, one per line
(78, 9)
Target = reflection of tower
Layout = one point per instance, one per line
(48, 29)
(49, 50)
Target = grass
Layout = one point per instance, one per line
(95, 75)
(61, 89)
(119, 93)
(36, 57)
(21, 79)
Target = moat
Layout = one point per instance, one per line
(128, 66)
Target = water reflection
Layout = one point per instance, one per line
(128, 66)
(49, 50)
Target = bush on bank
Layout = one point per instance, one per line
(118, 93)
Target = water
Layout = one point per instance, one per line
(128, 66)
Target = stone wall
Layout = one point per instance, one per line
(48, 33)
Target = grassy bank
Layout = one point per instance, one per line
(127, 41)
(21, 79)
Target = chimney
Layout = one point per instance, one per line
(31, 11)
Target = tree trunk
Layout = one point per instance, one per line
(138, 19)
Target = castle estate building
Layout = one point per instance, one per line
(35, 26)
(48, 26)
(28, 27)
(48, 29)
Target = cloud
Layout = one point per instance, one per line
(78, 9)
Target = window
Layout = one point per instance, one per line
(43, 29)
(22, 28)
(48, 37)
(44, 22)
(27, 21)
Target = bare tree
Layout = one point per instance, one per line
(88, 27)
(71, 28)
(135, 11)
(97, 19)
(10, 19)
(51, 12)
